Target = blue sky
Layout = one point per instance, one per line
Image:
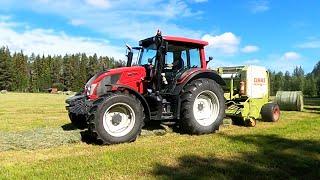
(277, 34)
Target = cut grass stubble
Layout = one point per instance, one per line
(35, 144)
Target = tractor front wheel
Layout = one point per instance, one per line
(202, 108)
(116, 118)
(78, 120)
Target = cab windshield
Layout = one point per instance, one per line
(177, 56)
(147, 54)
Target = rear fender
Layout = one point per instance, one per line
(193, 74)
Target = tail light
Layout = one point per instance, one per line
(242, 88)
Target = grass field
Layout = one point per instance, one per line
(37, 142)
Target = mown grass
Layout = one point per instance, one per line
(25, 111)
(289, 148)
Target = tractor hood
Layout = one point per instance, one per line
(102, 82)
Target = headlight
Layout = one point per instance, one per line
(90, 89)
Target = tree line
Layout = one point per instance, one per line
(308, 83)
(35, 73)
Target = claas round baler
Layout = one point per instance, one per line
(247, 95)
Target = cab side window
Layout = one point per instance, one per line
(195, 60)
(182, 57)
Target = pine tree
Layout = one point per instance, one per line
(93, 66)
(21, 76)
(83, 75)
(287, 81)
(5, 69)
(278, 82)
(56, 69)
(310, 86)
(32, 83)
(316, 73)
(67, 75)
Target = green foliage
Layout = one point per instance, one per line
(38, 73)
(309, 84)
(59, 86)
(5, 69)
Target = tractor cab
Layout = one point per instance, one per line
(179, 56)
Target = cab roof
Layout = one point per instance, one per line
(185, 40)
(176, 39)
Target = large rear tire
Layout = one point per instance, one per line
(203, 107)
(116, 118)
(270, 112)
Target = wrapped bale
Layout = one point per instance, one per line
(290, 100)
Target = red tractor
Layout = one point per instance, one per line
(169, 82)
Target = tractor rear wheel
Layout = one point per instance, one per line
(202, 108)
(78, 120)
(116, 118)
(270, 112)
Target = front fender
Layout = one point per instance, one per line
(119, 87)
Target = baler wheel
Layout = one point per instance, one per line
(270, 112)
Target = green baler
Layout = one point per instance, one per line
(247, 95)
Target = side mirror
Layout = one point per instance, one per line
(129, 60)
(210, 59)
(129, 55)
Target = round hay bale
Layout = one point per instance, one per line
(290, 100)
(4, 91)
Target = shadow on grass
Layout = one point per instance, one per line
(312, 101)
(150, 128)
(153, 125)
(276, 158)
(84, 133)
(312, 105)
(310, 108)
(69, 127)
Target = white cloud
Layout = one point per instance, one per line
(122, 20)
(47, 41)
(291, 56)
(226, 43)
(252, 61)
(314, 44)
(250, 49)
(98, 3)
(283, 62)
(77, 22)
(258, 6)
(215, 63)
(4, 17)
